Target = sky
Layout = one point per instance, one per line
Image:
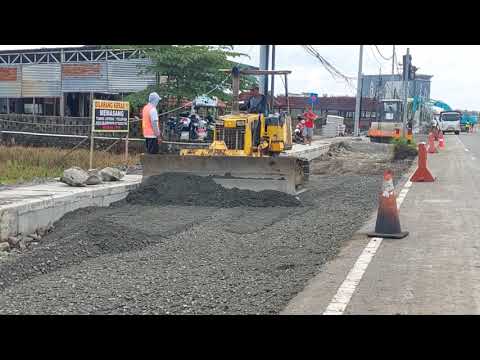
(456, 79)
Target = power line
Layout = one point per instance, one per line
(332, 70)
(383, 57)
(374, 56)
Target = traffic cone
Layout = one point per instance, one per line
(431, 144)
(388, 221)
(435, 134)
(441, 141)
(422, 174)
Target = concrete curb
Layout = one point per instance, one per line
(308, 152)
(26, 209)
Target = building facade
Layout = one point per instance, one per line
(63, 81)
(391, 86)
(332, 105)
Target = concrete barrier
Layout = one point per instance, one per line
(308, 152)
(26, 209)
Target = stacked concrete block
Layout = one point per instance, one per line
(334, 126)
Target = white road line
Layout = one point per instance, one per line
(345, 292)
(461, 142)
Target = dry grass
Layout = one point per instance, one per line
(22, 164)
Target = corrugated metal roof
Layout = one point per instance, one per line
(124, 76)
(41, 80)
(9, 88)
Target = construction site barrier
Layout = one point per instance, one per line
(422, 174)
(388, 220)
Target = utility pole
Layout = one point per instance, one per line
(272, 86)
(406, 75)
(393, 61)
(356, 130)
(264, 55)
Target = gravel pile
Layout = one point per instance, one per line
(182, 189)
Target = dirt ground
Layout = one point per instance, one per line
(359, 158)
(158, 257)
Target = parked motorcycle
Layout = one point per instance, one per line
(194, 127)
(184, 127)
(210, 128)
(298, 137)
(171, 128)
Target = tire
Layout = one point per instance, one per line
(457, 132)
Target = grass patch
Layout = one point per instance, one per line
(402, 149)
(22, 164)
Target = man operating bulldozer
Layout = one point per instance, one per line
(257, 103)
(150, 124)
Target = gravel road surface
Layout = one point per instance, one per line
(138, 258)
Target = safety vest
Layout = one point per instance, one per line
(146, 121)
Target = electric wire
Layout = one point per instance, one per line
(383, 57)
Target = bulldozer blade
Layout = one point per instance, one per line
(285, 174)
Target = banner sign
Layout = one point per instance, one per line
(205, 101)
(110, 116)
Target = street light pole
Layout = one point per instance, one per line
(393, 61)
(356, 130)
(406, 74)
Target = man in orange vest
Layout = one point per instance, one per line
(150, 126)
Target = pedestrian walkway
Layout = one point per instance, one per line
(24, 209)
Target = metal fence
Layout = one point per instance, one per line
(58, 125)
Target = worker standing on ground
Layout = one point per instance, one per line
(257, 103)
(150, 124)
(310, 117)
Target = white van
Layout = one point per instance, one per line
(450, 121)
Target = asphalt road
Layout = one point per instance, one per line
(436, 269)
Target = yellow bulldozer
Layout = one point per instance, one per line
(247, 151)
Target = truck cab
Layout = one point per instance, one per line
(450, 121)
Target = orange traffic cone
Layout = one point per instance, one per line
(422, 174)
(441, 141)
(431, 144)
(388, 221)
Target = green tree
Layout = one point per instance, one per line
(188, 71)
